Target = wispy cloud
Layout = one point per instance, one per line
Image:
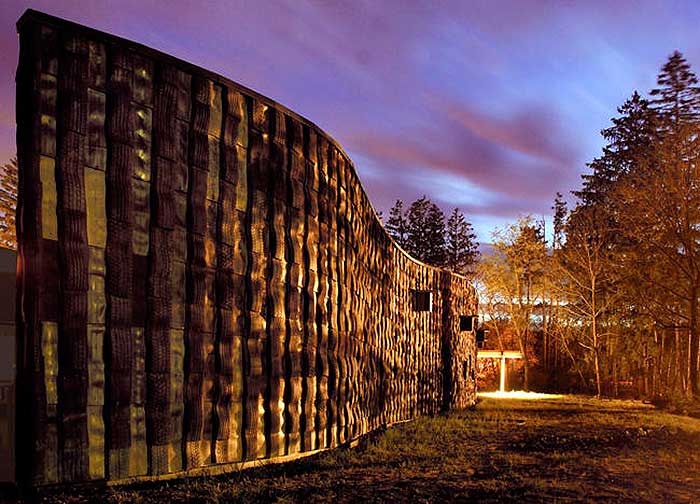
(491, 106)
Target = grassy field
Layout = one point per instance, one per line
(568, 449)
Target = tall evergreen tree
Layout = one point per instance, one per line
(435, 236)
(426, 232)
(628, 139)
(462, 250)
(8, 204)
(416, 220)
(661, 224)
(640, 205)
(397, 225)
(559, 220)
(678, 96)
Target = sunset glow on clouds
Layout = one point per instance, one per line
(488, 106)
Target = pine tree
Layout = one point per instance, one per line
(528, 249)
(426, 232)
(461, 246)
(628, 140)
(678, 96)
(416, 241)
(638, 224)
(8, 204)
(559, 220)
(661, 210)
(435, 234)
(397, 225)
(660, 224)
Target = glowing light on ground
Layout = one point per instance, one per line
(519, 394)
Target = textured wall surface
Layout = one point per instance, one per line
(8, 259)
(202, 277)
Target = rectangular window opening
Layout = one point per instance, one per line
(480, 338)
(422, 301)
(466, 322)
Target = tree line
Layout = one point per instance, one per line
(421, 230)
(614, 298)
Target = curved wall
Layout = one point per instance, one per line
(202, 277)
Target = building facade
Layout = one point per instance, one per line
(202, 279)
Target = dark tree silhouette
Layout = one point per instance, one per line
(462, 251)
(628, 139)
(678, 96)
(559, 220)
(436, 244)
(397, 225)
(426, 232)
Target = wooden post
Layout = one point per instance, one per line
(503, 356)
(503, 374)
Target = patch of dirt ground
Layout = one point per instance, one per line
(569, 449)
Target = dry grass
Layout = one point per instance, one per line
(571, 449)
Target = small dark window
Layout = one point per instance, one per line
(466, 322)
(422, 300)
(465, 370)
(480, 338)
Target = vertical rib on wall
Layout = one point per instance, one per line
(203, 279)
(37, 352)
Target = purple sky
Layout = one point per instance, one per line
(490, 106)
